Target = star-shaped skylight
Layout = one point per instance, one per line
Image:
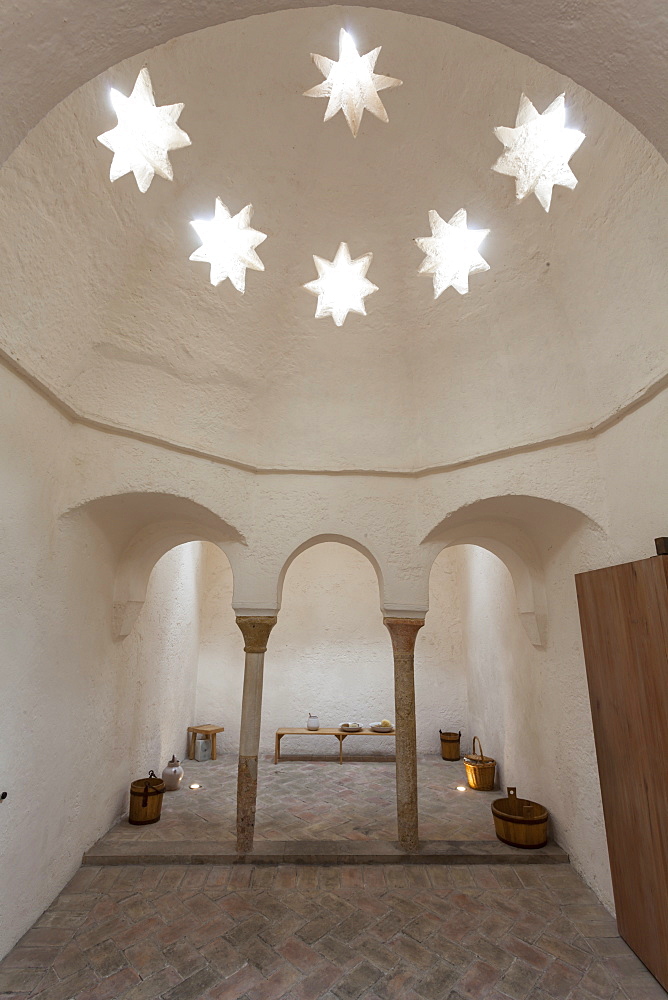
(351, 84)
(452, 252)
(228, 245)
(144, 135)
(341, 285)
(538, 150)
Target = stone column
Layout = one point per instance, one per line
(255, 630)
(403, 632)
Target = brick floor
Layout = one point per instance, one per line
(318, 801)
(291, 933)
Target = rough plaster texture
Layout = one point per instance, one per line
(614, 49)
(329, 654)
(128, 331)
(80, 716)
(582, 505)
(530, 709)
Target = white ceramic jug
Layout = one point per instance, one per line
(313, 722)
(172, 775)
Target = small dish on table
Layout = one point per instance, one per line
(377, 727)
(350, 727)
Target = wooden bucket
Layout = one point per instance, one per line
(480, 770)
(450, 745)
(146, 800)
(520, 822)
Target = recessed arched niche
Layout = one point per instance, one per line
(141, 528)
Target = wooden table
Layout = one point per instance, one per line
(339, 733)
(205, 731)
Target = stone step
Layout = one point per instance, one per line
(318, 852)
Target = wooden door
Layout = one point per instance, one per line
(624, 619)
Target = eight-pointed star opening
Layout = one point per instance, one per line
(452, 252)
(341, 285)
(538, 150)
(351, 84)
(228, 245)
(144, 135)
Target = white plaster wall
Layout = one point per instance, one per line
(530, 707)
(631, 458)
(80, 716)
(330, 654)
(441, 695)
(162, 654)
(503, 670)
(63, 681)
(220, 669)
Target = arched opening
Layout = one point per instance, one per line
(329, 654)
(527, 700)
(504, 704)
(330, 657)
(164, 657)
(329, 648)
(138, 559)
(338, 540)
(491, 669)
(198, 681)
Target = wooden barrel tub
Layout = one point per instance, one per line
(520, 822)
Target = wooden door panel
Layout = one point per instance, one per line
(624, 619)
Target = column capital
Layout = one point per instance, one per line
(255, 630)
(403, 632)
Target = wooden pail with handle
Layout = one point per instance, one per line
(520, 822)
(146, 800)
(450, 745)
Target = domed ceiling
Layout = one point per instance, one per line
(102, 304)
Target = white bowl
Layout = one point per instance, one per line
(350, 727)
(380, 729)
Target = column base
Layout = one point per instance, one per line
(246, 799)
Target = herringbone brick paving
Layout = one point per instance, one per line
(318, 801)
(363, 932)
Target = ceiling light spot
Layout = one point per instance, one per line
(452, 252)
(351, 84)
(538, 150)
(341, 285)
(228, 245)
(144, 135)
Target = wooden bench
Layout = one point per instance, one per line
(339, 733)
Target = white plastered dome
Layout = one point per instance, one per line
(102, 306)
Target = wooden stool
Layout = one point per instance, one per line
(205, 731)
